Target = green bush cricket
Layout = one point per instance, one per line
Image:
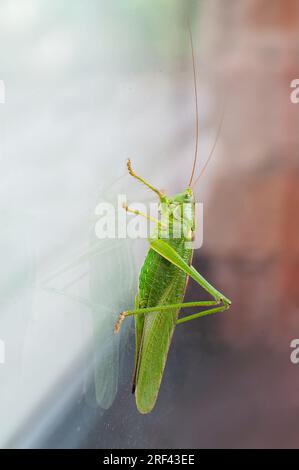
(162, 284)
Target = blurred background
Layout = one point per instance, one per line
(87, 85)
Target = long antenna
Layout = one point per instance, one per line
(212, 150)
(196, 109)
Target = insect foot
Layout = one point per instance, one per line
(130, 169)
(117, 325)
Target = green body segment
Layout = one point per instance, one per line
(160, 283)
(161, 291)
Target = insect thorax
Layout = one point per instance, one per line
(176, 215)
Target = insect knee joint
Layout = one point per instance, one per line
(118, 324)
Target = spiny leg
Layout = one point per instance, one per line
(202, 314)
(160, 308)
(132, 173)
(148, 217)
(165, 250)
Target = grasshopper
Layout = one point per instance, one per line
(162, 283)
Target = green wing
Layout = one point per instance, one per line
(160, 283)
(139, 323)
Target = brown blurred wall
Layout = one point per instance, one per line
(251, 50)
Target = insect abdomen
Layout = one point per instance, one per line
(160, 283)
